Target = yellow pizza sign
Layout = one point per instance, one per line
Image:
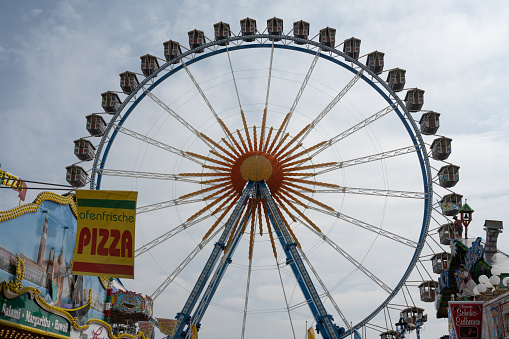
(105, 233)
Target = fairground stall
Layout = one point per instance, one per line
(472, 290)
(39, 295)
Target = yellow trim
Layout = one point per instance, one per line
(16, 287)
(33, 207)
(110, 331)
(33, 330)
(63, 311)
(105, 282)
(10, 180)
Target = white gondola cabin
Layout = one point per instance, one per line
(171, 50)
(196, 40)
(414, 99)
(222, 32)
(428, 290)
(451, 203)
(84, 149)
(149, 64)
(301, 31)
(275, 27)
(430, 122)
(327, 36)
(96, 125)
(128, 82)
(375, 62)
(412, 315)
(76, 176)
(396, 79)
(110, 102)
(352, 47)
(448, 176)
(440, 262)
(248, 27)
(446, 233)
(441, 148)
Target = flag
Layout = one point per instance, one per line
(194, 331)
(311, 333)
(146, 327)
(166, 326)
(22, 191)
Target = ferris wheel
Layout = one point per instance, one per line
(281, 179)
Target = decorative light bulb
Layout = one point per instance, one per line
(483, 279)
(495, 270)
(495, 280)
(481, 288)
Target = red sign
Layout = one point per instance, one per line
(467, 318)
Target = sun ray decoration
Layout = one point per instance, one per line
(255, 157)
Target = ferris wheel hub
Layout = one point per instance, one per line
(256, 168)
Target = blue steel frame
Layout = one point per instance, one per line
(184, 317)
(373, 80)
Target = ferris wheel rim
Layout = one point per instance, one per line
(404, 116)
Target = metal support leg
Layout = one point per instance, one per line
(330, 330)
(183, 317)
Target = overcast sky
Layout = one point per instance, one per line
(56, 57)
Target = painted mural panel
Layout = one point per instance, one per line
(496, 318)
(43, 235)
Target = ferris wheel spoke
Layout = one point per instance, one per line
(369, 158)
(326, 291)
(347, 256)
(176, 116)
(146, 175)
(157, 241)
(366, 226)
(331, 105)
(249, 271)
(355, 128)
(244, 122)
(233, 76)
(183, 265)
(270, 75)
(164, 204)
(301, 90)
(198, 87)
(144, 138)
(373, 191)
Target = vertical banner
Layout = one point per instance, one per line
(146, 327)
(167, 326)
(105, 234)
(466, 318)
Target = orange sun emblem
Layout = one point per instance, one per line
(273, 160)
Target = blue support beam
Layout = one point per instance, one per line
(295, 270)
(183, 318)
(218, 275)
(329, 329)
